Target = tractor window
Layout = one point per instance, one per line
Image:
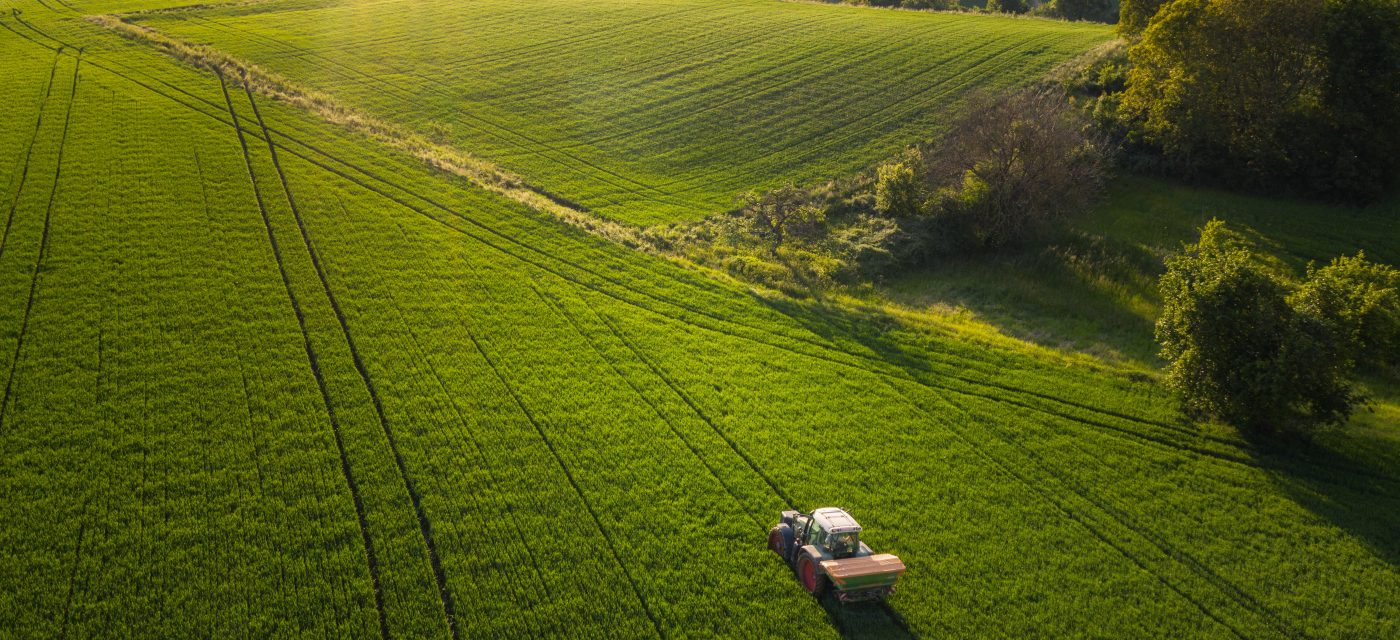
(844, 543)
(818, 535)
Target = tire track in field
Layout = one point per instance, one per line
(921, 366)
(466, 426)
(1227, 588)
(424, 525)
(559, 310)
(73, 573)
(1068, 512)
(237, 354)
(825, 350)
(29, 151)
(43, 243)
(569, 474)
(1230, 589)
(312, 359)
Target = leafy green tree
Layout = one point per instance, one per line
(1295, 94)
(780, 214)
(1237, 351)
(1133, 15)
(1360, 301)
(1220, 85)
(899, 192)
(1008, 6)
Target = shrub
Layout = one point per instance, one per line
(1094, 10)
(777, 215)
(898, 191)
(1237, 351)
(1008, 6)
(1360, 301)
(1014, 166)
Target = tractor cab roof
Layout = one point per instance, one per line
(834, 520)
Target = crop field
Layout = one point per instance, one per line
(266, 378)
(643, 111)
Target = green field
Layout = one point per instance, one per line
(265, 378)
(645, 111)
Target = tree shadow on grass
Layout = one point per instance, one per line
(1079, 292)
(1358, 492)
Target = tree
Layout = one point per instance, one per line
(1360, 301)
(1013, 166)
(1301, 95)
(1237, 351)
(1133, 15)
(1008, 6)
(776, 215)
(1219, 84)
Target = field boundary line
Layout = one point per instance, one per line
(29, 151)
(569, 474)
(425, 528)
(43, 243)
(371, 558)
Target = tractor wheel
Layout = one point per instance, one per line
(780, 541)
(813, 580)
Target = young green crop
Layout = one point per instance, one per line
(646, 113)
(487, 413)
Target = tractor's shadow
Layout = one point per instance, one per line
(875, 620)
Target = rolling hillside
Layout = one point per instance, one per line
(644, 112)
(264, 377)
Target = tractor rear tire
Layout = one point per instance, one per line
(813, 580)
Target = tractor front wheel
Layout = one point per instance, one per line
(780, 541)
(813, 580)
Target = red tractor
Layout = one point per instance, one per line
(825, 550)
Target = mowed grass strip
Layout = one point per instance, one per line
(646, 112)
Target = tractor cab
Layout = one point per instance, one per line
(830, 529)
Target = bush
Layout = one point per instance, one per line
(775, 216)
(1013, 167)
(1094, 10)
(1008, 6)
(1360, 302)
(1237, 351)
(899, 193)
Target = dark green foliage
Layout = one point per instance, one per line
(1013, 167)
(1358, 300)
(1134, 15)
(1362, 96)
(1237, 351)
(1300, 95)
(1008, 6)
(1093, 10)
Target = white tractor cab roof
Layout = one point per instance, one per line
(834, 520)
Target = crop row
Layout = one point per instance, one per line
(646, 113)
